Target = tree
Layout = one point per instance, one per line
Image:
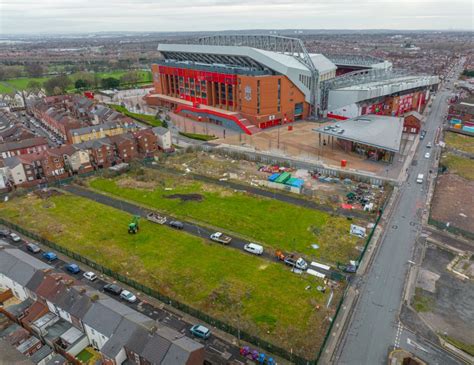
(57, 85)
(34, 70)
(80, 83)
(110, 83)
(34, 86)
(131, 77)
(3, 73)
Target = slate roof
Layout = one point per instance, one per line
(18, 265)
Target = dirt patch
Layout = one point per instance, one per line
(450, 204)
(186, 197)
(128, 182)
(47, 193)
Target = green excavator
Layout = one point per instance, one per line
(133, 226)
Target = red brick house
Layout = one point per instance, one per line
(23, 147)
(412, 122)
(125, 147)
(101, 152)
(147, 142)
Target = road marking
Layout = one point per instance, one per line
(398, 335)
(415, 345)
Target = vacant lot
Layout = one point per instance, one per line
(446, 302)
(461, 166)
(450, 202)
(460, 142)
(263, 298)
(270, 222)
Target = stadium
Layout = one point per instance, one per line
(252, 82)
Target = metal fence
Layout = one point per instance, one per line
(243, 335)
(450, 228)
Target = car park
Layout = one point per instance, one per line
(73, 268)
(50, 256)
(33, 248)
(177, 224)
(89, 275)
(200, 331)
(254, 248)
(15, 237)
(128, 296)
(112, 289)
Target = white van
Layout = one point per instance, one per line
(419, 178)
(253, 248)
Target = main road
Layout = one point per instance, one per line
(374, 328)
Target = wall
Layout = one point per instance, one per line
(18, 290)
(93, 335)
(248, 97)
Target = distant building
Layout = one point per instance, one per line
(163, 138)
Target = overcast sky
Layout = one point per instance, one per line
(69, 16)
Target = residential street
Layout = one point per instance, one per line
(374, 327)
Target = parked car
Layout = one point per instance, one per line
(128, 296)
(200, 331)
(89, 275)
(73, 268)
(4, 233)
(15, 237)
(112, 289)
(428, 145)
(33, 248)
(254, 248)
(427, 155)
(50, 256)
(177, 224)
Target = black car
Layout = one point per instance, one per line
(423, 133)
(113, 289)
(177, 224)
(4, 233)
(33, 248)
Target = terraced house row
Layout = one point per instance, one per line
(51, 318)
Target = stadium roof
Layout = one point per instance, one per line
(373, 130)
(322, 63)
(280, 63)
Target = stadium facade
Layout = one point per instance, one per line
(249, 83)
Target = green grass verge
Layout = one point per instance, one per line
(147, 119)
(5, 88)
(420, 302)
(261, 297)
(461, 166)
(466, 347)
(460, 142)
(268, 221)
(199, 137)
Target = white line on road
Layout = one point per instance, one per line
(415, 345)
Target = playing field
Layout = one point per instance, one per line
(273, 223)
(261, 297)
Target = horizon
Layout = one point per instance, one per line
(26, 17)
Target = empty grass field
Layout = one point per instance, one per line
(271, 222)
(460, 142)
(461, 166)
(261, 297)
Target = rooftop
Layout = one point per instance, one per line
(373, 130)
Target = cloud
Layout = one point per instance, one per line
(67, 16)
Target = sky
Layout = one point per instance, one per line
(79, 16)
